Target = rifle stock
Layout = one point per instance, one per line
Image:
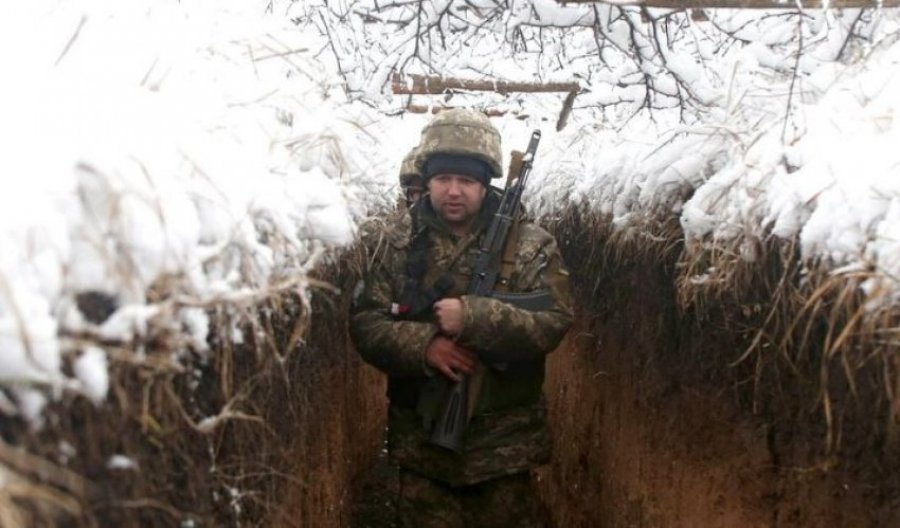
(451, 424)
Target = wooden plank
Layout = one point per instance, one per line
(433, 85)
(566, 110)
(428, 85)
(426, 109)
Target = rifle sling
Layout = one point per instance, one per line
(508, 263)
(507, 267)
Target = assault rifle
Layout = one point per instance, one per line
(451, 423)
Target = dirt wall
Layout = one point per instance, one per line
(653, 427)
(339, 426)
(267, 429)
(336, 410)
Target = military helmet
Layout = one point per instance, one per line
(461, 132)
(408, 170)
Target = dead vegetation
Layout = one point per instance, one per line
(808, 337)
(256, 431)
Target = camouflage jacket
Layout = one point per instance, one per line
(507, 432)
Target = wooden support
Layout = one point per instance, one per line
(425, 109)
(566, 110)
(433, 85)
(741, 4)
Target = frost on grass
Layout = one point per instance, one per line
(168, 158)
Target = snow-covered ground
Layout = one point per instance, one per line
(172, 155)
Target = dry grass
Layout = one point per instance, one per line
(220, 438)
(809, 335)
(25, 501)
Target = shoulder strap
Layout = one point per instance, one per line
(417, 254)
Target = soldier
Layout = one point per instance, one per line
(410, 179)
(489, 482)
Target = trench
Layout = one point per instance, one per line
(651, 428)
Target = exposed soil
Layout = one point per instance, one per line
(648, 435)
(631, 454)
(338, 438)
(376, 495)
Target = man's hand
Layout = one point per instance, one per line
(449, 358)
(450, 316)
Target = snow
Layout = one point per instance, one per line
(178, 155)
(121, 462)
(91, 368)
(168, 156)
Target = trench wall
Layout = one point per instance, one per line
(260, 432)
(655, 426)
(335, 422)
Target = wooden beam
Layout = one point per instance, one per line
(566, 110)
(741, 4)
(433, 85)
(426, 109)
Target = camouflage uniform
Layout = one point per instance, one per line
(411, 181)
(507, 433)
(409, 173)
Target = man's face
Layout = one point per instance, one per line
(456, 198)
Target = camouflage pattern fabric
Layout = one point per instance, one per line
(378, 232)
(409, 173)
(507, 433)
(506, 502)
(462, 132)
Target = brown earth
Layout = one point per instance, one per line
(339, 409)
(631, 452)
(647, 436)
